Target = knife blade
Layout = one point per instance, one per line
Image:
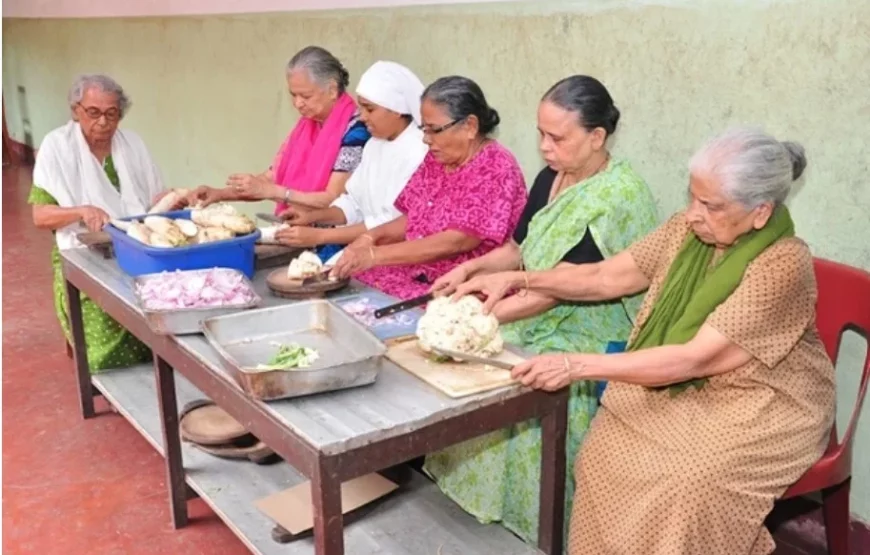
(403, 306)
(270, 218)
(472, 358)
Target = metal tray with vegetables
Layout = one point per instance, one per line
(295, 349)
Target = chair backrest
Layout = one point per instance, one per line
(844, 304)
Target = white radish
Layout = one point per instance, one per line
(139, 232)
(168, 201)
(267, 234)
(187, 227)
(167, 228)
(161, 240)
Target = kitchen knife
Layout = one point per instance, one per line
(471, 358)
(270, 218)
(403, 306)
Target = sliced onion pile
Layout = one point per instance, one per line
(200, 289)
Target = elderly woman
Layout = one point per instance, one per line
(726, 395)
(389, 99)
(464, 200)
(323, 149)
(87, 172)
(584, 207)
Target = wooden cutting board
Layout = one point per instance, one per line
(455, 379)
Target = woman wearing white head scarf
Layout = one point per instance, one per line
(389, 101)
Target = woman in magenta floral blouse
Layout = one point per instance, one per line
(463, 201)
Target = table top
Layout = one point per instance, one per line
(398, 403)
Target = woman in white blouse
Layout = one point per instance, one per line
(389, 100)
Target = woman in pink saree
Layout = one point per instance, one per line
(463, 201)
(322, 150)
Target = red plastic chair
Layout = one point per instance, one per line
(843, 303)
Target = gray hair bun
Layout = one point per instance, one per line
(798, 158)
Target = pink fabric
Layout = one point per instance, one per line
(483, 198)
(307, 156)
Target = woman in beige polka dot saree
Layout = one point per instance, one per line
(725, 396)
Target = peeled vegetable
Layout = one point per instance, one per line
(267, 234)
(223, 215)
(140, 232)
(187, 227)
(212, 234)
(160, 240)
(166, 228)
(168, 201)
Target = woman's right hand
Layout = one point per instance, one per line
(297, 215)
(494, 287)
(447, 284)
(93, 217)
(203, 195)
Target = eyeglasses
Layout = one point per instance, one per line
(112, 114)
(429, 130)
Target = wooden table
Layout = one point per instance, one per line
(329, 438)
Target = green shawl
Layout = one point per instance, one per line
(618, 208)
(694, 287)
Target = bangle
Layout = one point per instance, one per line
(372, 252)
(287, 194)
(367, 236)
(523, 292)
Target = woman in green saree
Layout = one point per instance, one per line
(583, 207)
(86, 172)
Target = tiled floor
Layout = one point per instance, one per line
(93, 487)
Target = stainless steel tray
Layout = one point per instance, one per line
(188, 320)
(350, 355)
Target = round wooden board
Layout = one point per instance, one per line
(211, 425)
(282, 286)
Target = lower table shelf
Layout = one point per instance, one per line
(415, 520)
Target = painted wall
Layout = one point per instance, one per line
(209, 96)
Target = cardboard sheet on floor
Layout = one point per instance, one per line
(294, 511)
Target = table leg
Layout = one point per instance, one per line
(79, 349)
(171, 441)
(328, 520)
(551, 522)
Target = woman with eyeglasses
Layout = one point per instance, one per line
(585, 206)
(389, 98)
(320, 153)
(86, 173)
(463, 201)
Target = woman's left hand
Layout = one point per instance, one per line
(547, 372)
(353, 261)
(298, 236)
(249, 186)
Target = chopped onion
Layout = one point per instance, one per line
(200, 289)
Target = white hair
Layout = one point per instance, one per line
(101, 82)
(753, 168)
(323, 68)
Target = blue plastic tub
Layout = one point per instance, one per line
(138, 259)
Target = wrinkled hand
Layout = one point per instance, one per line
(447, 284)
(296, 214)
(492, 286)
(298, 236)
(94, 218)
(547, 372)
(203, 196)
(249, 187)
(353, 261)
